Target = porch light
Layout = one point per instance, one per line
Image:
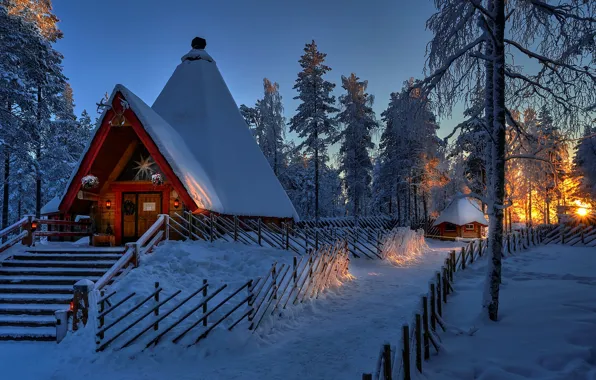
(176, 203)
(33, 225)
(108, 204)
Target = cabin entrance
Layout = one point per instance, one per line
(139, 212)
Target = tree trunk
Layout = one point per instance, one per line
(530, 203)
(425, 205)
(38, 156)
(498, 158)
(317, 178)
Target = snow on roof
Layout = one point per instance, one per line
(196, 103)
(51, 207)
(461, 211)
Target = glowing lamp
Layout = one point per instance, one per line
(176, 203)
(71, 306)
(33, 225)
(108, 204)
(582, 211)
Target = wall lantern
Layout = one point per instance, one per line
(33, 225)
(176, 203)
(108, 204)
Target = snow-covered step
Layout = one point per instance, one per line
(56, 264)
(80, 272)
(35, 298)
(35, 289)
(28, 333)
(78, 250)
(67, 256)
(28, 320)
(44, 280)
(18, 309)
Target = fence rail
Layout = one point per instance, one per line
(420, 335)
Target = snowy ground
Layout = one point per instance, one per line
(547, 327)
(336, 337)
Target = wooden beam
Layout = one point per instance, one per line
(87, 196)
(120, 165)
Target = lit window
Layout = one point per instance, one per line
(469, 227)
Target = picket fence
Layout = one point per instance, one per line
(421, 333)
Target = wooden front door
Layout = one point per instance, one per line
(139, 212)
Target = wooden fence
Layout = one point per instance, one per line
(419, 337)
(122, 319)
(580, 235)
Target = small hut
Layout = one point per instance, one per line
(461, 218)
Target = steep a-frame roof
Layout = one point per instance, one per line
(198, 105)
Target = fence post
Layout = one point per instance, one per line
(367, 376)
(259, 231)
(433, 313)
(463, 258)
(235, 228)
(287, 236)
(425, 331)
(472, 252)
(406, 351)
(190, 226)
(205, 304)
(211, 221)
(453, 265)
(136, 254)
(80, 304)
(167, 226)
(28, 240)
(294, 270)
(387, 362)
(439, 300)
(445, 284)
(156, 312)
(417, 333)
(102, 305)
(582, 236)
(317, 240)
(379, 243)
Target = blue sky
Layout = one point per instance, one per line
(139, 43)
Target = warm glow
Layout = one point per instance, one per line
(176, 203)
(108, 204)
(582, 211)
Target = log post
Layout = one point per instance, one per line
(80, 308)
(156, 312)
(472, 252)
(425, 329)
(445, 285)
(273, 272)
(294, 270)
(418, 334)
(287, 236)
(406, 351)
(463, 258)
(480, 248)
(259, 231)
(136, 254)
(433, 313)
(101, 310)
(28, 240)
(235, 228)
(387, 362)
(190, 226)
(211, 227)
(367, 376)
(205, 304)
(439, 299)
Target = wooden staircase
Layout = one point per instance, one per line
(36, 283)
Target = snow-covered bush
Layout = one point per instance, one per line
(403, 246)
(89, 182)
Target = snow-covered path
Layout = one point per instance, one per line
(337, 337)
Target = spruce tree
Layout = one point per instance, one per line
(313, 121)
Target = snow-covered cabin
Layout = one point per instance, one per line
(191, 150)
(461, 218)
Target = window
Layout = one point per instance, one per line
(470, 227)
(149, 206)
(450, 227)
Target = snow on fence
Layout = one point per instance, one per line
(403, 246)
(121, 320)
(580, 235)
(420, 336)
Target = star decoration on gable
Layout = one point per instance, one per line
(144, 168)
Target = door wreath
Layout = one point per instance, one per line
(129, 207)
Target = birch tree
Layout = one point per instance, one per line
(472, 36)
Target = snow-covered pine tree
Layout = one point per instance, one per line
(471, 34)
(252, 118)
(584, 164)
(272, 125)
(358, 121)
(313, 121)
